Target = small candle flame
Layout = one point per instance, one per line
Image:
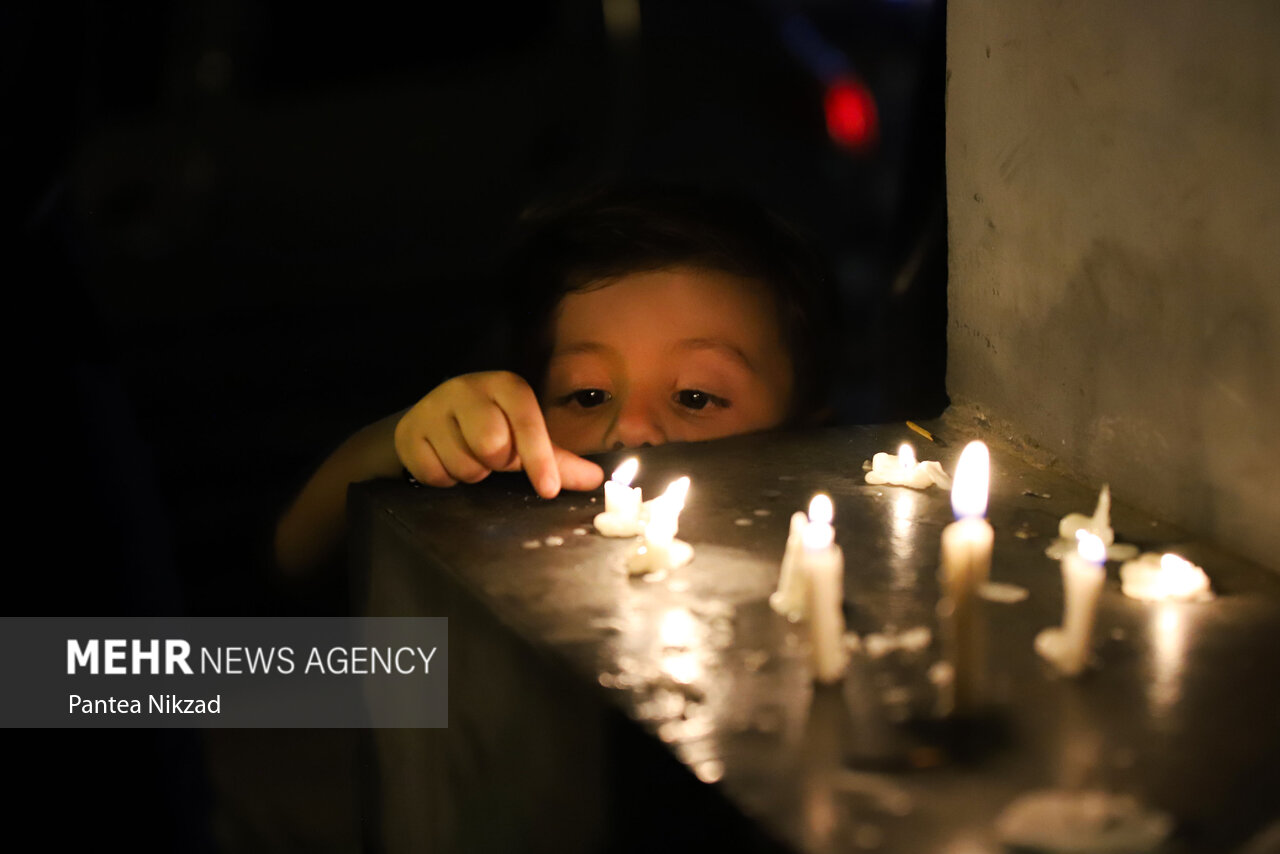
(676, 492)
(820, 509)
(818, 536)
(973, 475)
(907, 457)
(1179, 577)
(1090, 547)
(623, 474)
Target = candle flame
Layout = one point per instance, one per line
(1180, 577)
(1090, 547)
(820, 509)
(676, 492)
(818, 536)
(623, 474)
(907, 457)
(973, 475)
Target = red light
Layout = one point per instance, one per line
(851, 113)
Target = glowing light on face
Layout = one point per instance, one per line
(973, 475)
(623, 474)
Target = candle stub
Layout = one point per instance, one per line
(903, 469)
(1099, 524)
(622, 503)
(1083, 576)
(659, 549)
(791, 599)
(1164, 578)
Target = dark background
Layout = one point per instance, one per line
(248, 229)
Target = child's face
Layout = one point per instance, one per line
(676, 355)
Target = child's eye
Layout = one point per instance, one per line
(590, 397)
(691, 398)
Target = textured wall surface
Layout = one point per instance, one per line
(1113, 173)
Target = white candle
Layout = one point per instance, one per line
(659, 549)
(1083, 575)
(966, 565)
(1164, 578)
(823, 564)
(791, 599)
(621, 516)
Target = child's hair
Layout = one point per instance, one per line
(569, 246)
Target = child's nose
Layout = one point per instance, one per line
(638, 424)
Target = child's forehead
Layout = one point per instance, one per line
(675, 296)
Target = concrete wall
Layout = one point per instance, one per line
(1113, 177)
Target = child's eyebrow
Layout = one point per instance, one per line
(719, 345)
(588, 347)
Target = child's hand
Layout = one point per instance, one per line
(479, 423)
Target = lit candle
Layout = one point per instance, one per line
(659, 549)
(621, 516)
(1083, 574)
(1164, 578)
(903, 469)
(791, 599)
(822, 563)
(966, 565)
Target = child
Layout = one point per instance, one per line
(642, 316)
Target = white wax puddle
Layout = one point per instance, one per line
(531, 544)
(742, 523)
(554, 541)
(889, 469)
(762, 512)
(1082, 822)
(1153, 578)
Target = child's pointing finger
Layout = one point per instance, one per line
(529, 431)
(576, 473)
